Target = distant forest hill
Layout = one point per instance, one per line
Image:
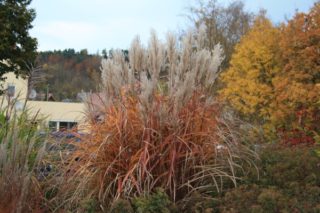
(67, 73)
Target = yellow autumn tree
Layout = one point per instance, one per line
(248, 81)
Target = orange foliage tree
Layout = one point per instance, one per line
(297, 85)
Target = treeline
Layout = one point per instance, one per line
(68, 73)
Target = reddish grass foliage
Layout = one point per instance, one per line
(296, 137)
(13, 196)
(131, 154)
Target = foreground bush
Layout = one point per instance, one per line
(159, 128)
(289, 182)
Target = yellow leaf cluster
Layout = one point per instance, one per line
(248, 81)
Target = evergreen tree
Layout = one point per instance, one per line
(17, 47)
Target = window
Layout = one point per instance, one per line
(61, 125)
(66, 125)
(11, 90)
(72, 125)
(52, 125)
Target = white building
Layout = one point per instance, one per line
(55, 115)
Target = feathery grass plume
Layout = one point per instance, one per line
(155, 58)
(137, 56)
(115, 74)
(21, 151)
(160, 129)
(171, 57)
(202, 37)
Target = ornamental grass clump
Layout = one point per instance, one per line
(160, 126)
(21, 153)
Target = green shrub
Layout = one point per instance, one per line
(196, 203)
(289, 182)
(121, 206)
(90, 206)
(281, 166)
(157, 202)
(240, 199)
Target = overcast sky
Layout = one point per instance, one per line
(99, 24)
